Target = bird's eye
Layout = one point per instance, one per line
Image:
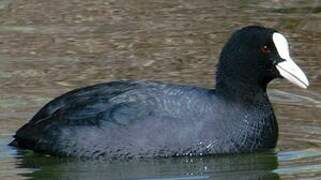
(265, 49)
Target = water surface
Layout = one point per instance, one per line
(50, 47)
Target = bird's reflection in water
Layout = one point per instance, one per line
(240, 166)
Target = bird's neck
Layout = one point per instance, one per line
(255, 117)
(242, 91)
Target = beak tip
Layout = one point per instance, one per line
(307, 83)
(290, 71)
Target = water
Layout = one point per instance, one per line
(49, 47)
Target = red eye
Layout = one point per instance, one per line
(265, 49)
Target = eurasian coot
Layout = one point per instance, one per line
(125, 119)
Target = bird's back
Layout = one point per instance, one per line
(120, 118)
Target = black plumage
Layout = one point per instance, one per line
(123, 119)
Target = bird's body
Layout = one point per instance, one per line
(140, 118)
(123, 119)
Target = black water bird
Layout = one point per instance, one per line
(128, 119)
